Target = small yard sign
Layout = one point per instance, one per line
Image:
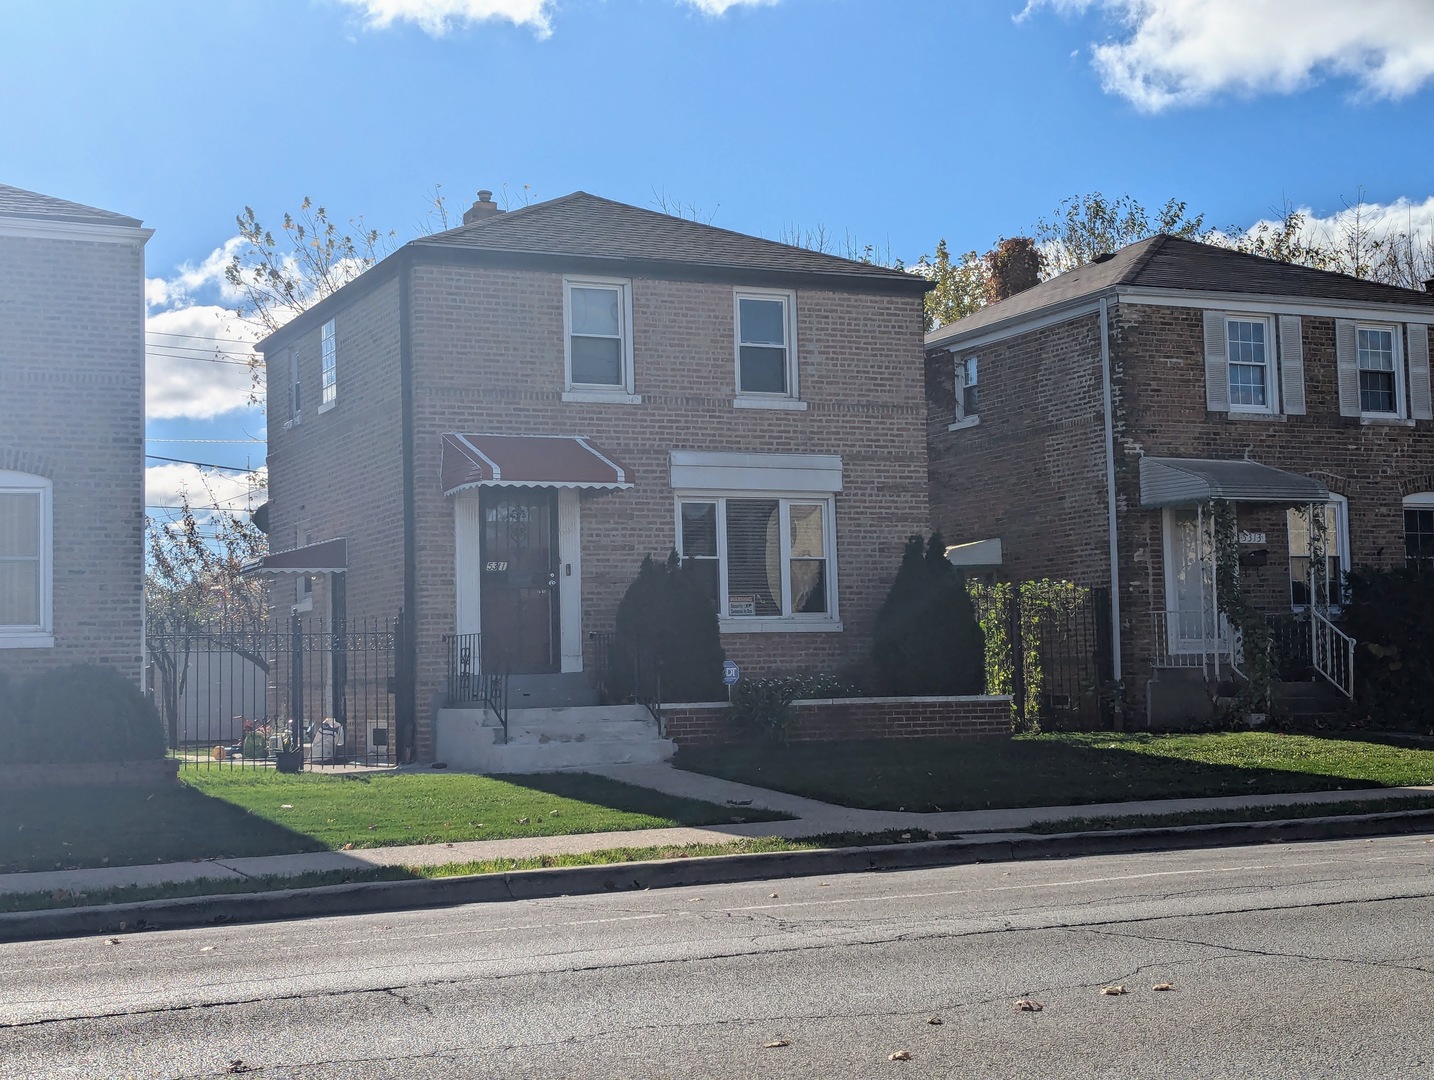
(730, 672)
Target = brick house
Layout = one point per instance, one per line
(1086, 428)
(71, 435)
(491, 428)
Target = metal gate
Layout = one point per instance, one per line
(287, 694)
(1048, 645)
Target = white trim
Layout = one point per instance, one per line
(327, 406)
(1396, 344)
(1341, 534)
(1014, 326)
(601, 397)
(789, 404)
(467, 564)
(788, 299)
(828, 621)
(40, 635)
(559, 485)
(700, 470)
(328, 349)
(609, 462)
(492, 465)
(968, 422)
(623, 391)
(570, 581)
(1271, 407)
(1263, 304)
(39, 229)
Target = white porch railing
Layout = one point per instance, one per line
(1198, 638)
(1332, 652)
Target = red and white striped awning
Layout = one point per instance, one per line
(562, 461)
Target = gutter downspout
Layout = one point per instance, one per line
(410, 516)
(1116, 671)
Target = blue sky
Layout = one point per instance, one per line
(893, 122)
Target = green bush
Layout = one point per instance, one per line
(1390, 614)
(927, 640)
(84, 712)
(666, 628)
(763, 707)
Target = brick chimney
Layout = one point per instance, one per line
(485, 207)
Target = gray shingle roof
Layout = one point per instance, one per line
(588, 226)
(1169, 262)
(19, 203)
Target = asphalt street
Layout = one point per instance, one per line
(1298, 960)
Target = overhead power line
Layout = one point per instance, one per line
(203, 464)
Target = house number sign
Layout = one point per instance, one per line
(1252, 538)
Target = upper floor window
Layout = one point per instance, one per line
(1379, 370)
(295, 401)
(1419, 531)
(967, 392)
(25, 560)
(1249, 343)
(598, 345)
(329, 351)
(766, 344)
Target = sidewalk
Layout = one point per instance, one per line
(811, 818)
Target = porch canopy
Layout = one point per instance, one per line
(561, 461)
(325, 557)
(1184, 481)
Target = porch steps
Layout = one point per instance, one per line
(551, 739)
(552, 691)
(1310, 701)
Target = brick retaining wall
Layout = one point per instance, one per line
(842, 719)
(88, 774)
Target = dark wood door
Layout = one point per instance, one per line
(520, 580)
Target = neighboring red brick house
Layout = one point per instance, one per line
(501, 420)
(71, 435)
(1081, 429)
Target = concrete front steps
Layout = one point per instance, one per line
(551, 739)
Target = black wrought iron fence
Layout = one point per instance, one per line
(469, 683)
(1048, 645)
(288, 694)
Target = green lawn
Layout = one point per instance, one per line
(1066, 769)
(231, 812)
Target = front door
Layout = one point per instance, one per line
(520, 580)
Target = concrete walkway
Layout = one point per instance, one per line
(810, 818)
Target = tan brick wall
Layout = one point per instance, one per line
(848, 719)
(487, 356)
(72, 410)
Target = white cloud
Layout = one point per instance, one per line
(207, 489)
(190, 279)
(437, 17)
(1348, 233)
(1185, 52)
(195, 362)
(721, 7)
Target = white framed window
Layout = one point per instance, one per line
(26, 561)
(1419, 531)
(1336, 551)
(329, 366)
(1381, 370)
(968, 392)
(768, 561)
(766, 348)
(1250, 349)
(296, 402)
(597, 340)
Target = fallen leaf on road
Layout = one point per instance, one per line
(774, 896)
(934, 1020)
(1163, 986)
(1027, 1005)
(112, 941)
(207, 948)
(776, 1043)
(347, 847)
(238, 1066)
(900, 1055)
(1115, 990)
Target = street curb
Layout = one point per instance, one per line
(364, 898)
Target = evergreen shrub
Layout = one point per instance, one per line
(1390, 615)
(666, 627)
(927, 640)
(83, 712)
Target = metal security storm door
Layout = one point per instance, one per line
(520, 609)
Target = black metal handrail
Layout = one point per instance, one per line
(465, 667)
(647, 687)
(495, 696)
